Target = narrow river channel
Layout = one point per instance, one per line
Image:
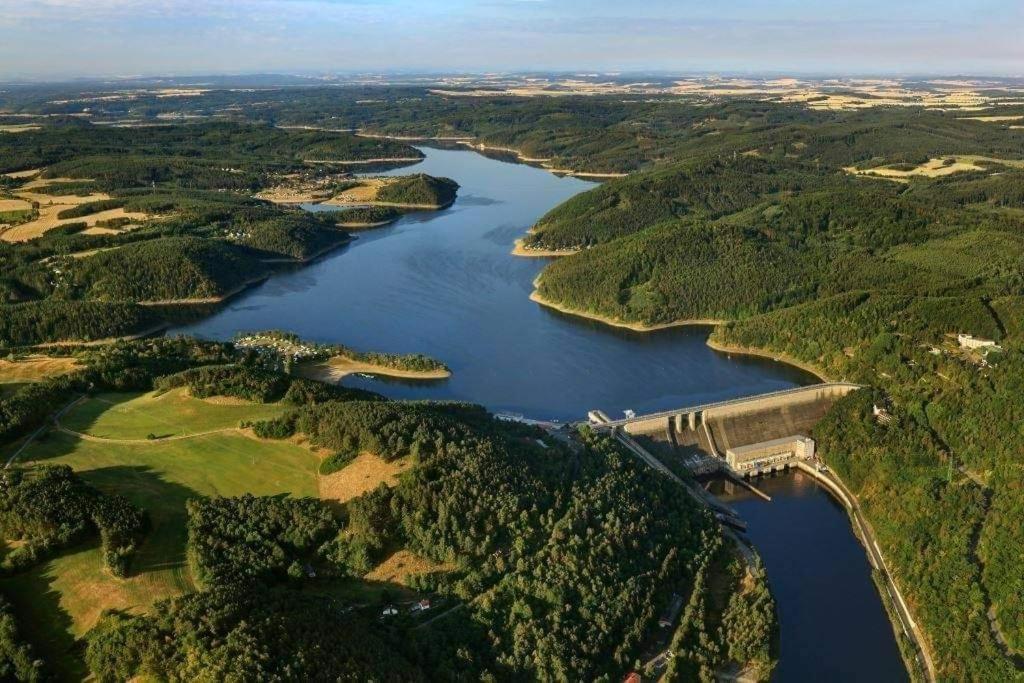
(445, 284)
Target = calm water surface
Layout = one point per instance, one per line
(444, 284)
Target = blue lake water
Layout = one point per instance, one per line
(444, 284)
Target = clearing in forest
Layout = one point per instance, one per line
(35, 368)
(365, 473)
(399, 566)
(933, 168)
(171, 414)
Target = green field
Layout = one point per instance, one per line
(61, 599)
(175, 413)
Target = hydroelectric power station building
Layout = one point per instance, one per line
(767, 456)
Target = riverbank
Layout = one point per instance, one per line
(762, 353)
(898, 607)
(339, 367)
(474, 144)
(521, 250)
(536, 297)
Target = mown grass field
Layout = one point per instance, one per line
(61, 599)
(175, 413)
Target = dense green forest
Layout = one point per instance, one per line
(203, 235)
(866, 279)
(419, 189)
(736, 209)
(197, 156)
(50, 509)
(557, 559)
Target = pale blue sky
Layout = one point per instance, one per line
(56, 38)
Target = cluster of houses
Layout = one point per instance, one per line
(416, 608)
(278, 346)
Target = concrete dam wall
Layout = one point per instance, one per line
(715, 428)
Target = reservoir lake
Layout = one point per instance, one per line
(445, 284)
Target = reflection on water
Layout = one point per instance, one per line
(444, 284)
(833, 626)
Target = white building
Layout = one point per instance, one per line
(968, 341)
(769, 455)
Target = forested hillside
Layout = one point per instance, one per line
(171, 216)
(860, 242)
(868, 279)
(551, 561)
(419, 189)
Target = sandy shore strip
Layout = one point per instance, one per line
(207, 300)
(24, 174)
(472, 143)
(615, 322)
(521, 250)
(338, 367)
(773, 355)
(709, 322)
(368, 226)
(357, 162)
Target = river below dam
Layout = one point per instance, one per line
(445, 284)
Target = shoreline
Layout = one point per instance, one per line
(520, 250)
(358, 162)
(763, 353)
(474, 144)
(206, 301)
(395, 205)
(366, 226)
(337, 368)
(536, 297)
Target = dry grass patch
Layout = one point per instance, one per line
(993, 119)
(40, 183)
(24, 174)
(48, 220)
(933, 168)
(14, 205)
(35, 368)
(365, 473)
(401, 565)
(363, 193)
(19, 127)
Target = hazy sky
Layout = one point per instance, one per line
(52, 38)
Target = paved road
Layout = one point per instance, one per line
(46, 425)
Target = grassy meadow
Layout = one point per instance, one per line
(61, 599)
